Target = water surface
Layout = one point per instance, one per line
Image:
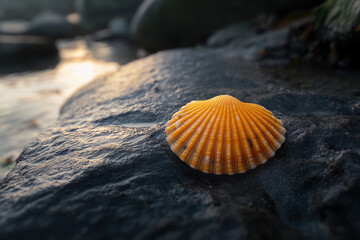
(30, 101)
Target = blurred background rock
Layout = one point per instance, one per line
(157, 24)
(97, 14)
(162, 24)
(28, 9)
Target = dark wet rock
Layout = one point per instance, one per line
(46, 24)
(27, 9)
(96, 15)
(242, 40)
(117, 29)
(103, 35)
(51, 25)
(105, 171)
(225, 36)
(25, 46)
(14, 27)
(163, 24)
(246, 44)
(322, 79)
(26, 52)
(118, 26)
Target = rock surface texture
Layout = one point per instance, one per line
(105, 171)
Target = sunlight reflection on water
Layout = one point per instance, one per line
(30, 101)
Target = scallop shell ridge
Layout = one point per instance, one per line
(223, 135)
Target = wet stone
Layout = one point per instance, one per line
(89, 177)
(26, 53)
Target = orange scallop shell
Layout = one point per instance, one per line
(223, 135)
